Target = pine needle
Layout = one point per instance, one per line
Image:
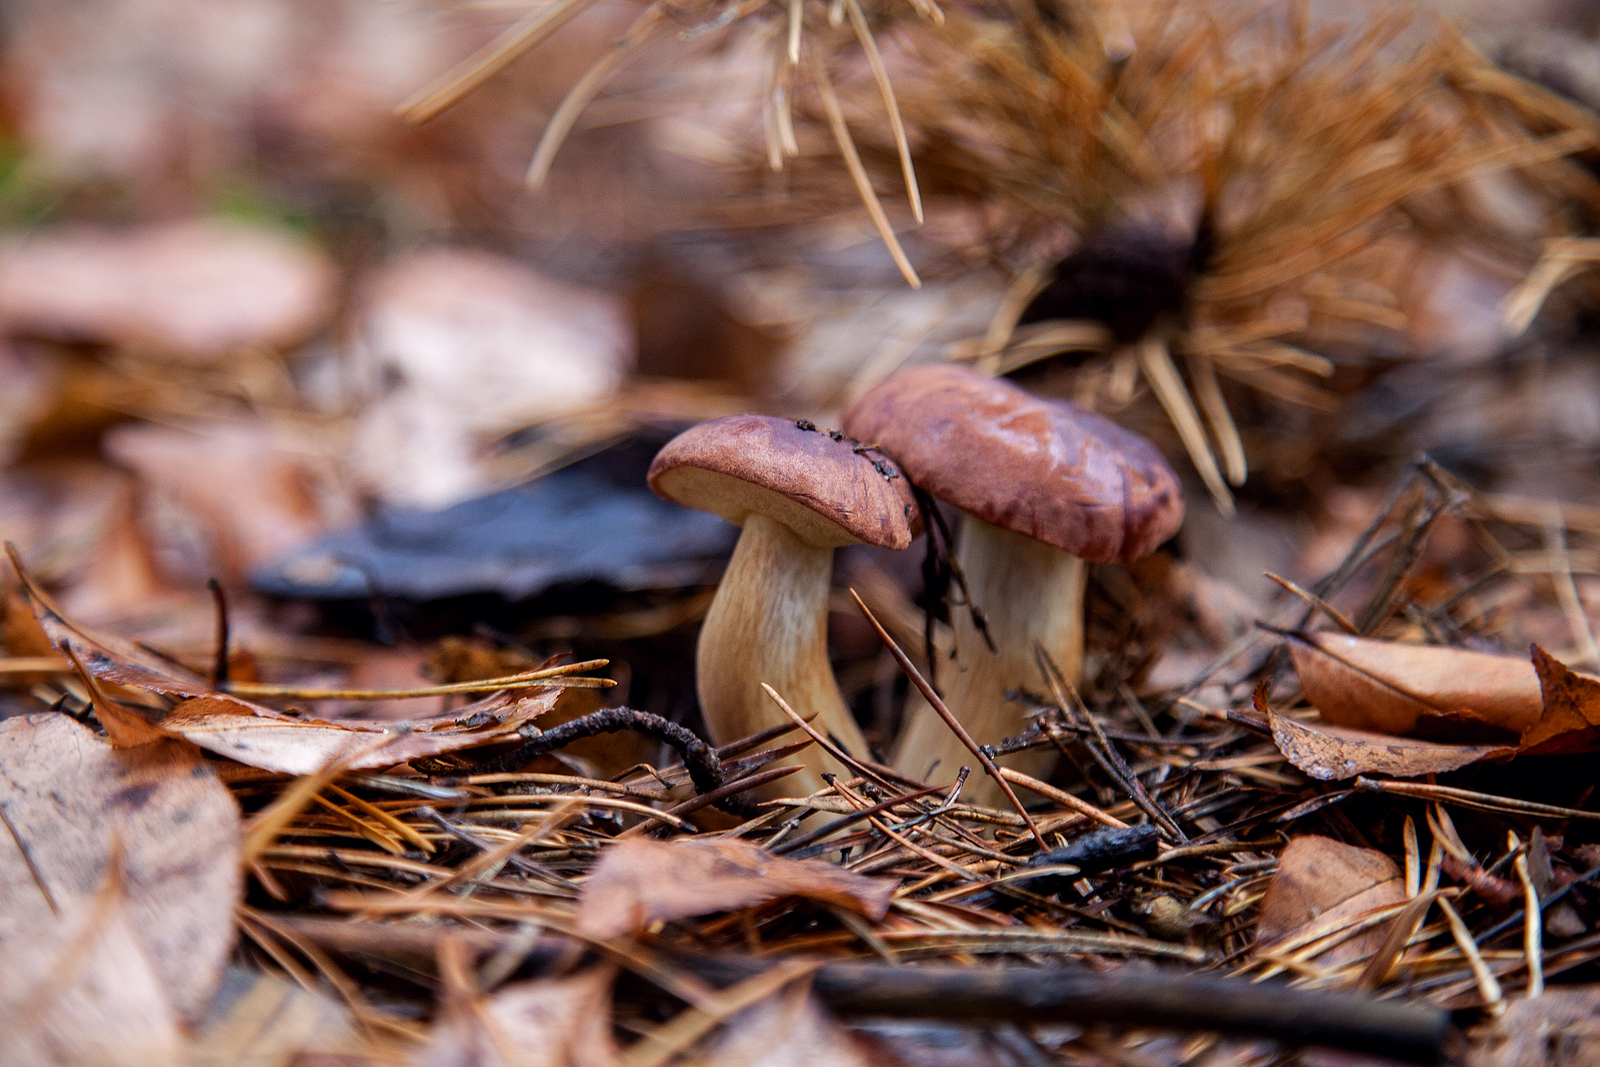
(584, 92)
(1159, 370)
(445, 91)
(858, 22)
(858, 173)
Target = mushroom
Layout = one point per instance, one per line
(1043, 486)
(798, 493)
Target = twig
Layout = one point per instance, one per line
(1109, 758)
(1399, 1030)
(950, 720)
(219, 670)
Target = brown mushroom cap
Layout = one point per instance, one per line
(814, 483)
(1044, 468)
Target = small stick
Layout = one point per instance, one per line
(1339, 618)
(219, 671)
(798, 843)
(822, 741)
(1413, 1032)
(950, 720)
(723, 794)
(1064, 798)
(1110, 759)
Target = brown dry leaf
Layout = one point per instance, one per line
(1441, 693)
(1329, 752)
(1321, 880)
(268, 739)
(792, 1029)
(637, 882)
(247, 492)
(198, 290)
(563, 1022)
(70, 801)
(1571, 719)
(84, 991)
(1559, 1028)
(274, 742)
(462, 346)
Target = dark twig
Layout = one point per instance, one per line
(699, 759)
(219, 599)
(1417, 1033)
(1105, 754)
(840, 823)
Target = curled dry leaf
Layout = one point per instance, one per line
(464, 345)
(70, 802)
(1571, 719)
(1323, 881)
(197, 290)
(1446, 694)
(1396, 709)
(639, 881)
(261, 737)
(1329, 753)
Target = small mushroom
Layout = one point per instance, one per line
(1043, 486)
(798, 493)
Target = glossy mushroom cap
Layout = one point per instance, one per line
(812, 481)
(1044, 468)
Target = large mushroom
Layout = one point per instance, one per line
(799, 493)
(1043, 486)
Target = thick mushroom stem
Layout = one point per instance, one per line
(1029, 592)
(769, 623)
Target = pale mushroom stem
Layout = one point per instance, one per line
(1028, 591)
(769, 623)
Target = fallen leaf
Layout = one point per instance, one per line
(261, 737)
(198, 290)
(552, 1022)
(1329, 752)
(464, 345)
(1320, 880)
(84, 990)
(1571, 719)
(30, 393)
(70, 801)
(247, 495)
(289, 745)
(637, 882)
(1446, 694)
